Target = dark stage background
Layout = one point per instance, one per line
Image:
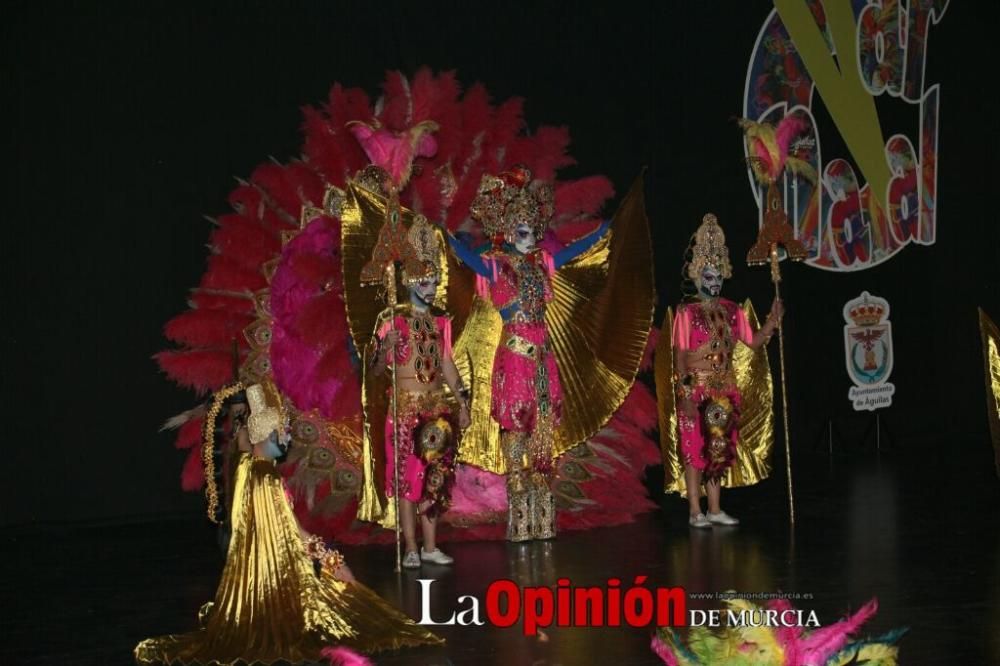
(125, 124)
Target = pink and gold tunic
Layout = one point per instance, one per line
(710, 329)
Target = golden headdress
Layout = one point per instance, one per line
(426, 245)
(264, 418)
(395, 241)
(708, 248)
(512, 198)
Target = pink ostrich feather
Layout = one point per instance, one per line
(395, 152)
(342, 656)
(309, 353)
(477, 493)
(663, 651)
(815, 647)
(818, 645)
(789, 127)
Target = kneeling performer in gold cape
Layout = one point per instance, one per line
(271, 604)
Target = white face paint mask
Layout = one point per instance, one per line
(710, 283)
(422, 294)
(524, 238)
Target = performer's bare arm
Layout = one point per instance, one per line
(764, 333)
(382, 347)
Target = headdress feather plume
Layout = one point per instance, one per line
(770, 147)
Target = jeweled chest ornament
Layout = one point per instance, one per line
(426, 346)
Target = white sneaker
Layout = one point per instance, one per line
(411, 560)
(435, 556)
(699, 521)
(722, 518)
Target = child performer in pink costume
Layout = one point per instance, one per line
(515, 275)
(706, 329)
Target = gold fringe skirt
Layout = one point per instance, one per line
(271, 605)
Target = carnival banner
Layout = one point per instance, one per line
(868, 352)
(865, 209)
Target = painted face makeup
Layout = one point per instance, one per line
(524, 238)
(710, 284)
(422, 294)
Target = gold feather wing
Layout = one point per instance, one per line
(599, 319)
(373, 506)
(753, 378)
(474, 350)
(991, 360)
(598, 323)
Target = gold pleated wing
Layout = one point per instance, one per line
(753, 378)
(474, 350)
(373, 505)
(991, 360)
(598, 323)
(599, 319)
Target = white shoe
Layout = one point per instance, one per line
(699, 521)
(411, 560)
(722, 518)
(435, 556)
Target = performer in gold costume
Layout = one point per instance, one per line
(271, 604)
(533, 356)
(527, 394)
(716, 386)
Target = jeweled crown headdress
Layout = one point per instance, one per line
(708, 248)
(512, 198)
(417, 249)
(427, 249)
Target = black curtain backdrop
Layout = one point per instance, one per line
(127, 123)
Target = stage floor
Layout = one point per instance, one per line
(923, 537)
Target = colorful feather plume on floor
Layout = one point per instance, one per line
(747, 645)
(273, 288)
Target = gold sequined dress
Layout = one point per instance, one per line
(270, 604)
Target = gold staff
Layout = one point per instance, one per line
(771, 151)
(776, 279)
(775, 233)
(391, 246)
(390, 282)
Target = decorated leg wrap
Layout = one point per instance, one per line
(518, 516)
(518, 486)
(542, 504)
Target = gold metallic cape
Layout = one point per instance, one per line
(991, 360)
(270, 604)
(753, 378)
(598, 323)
